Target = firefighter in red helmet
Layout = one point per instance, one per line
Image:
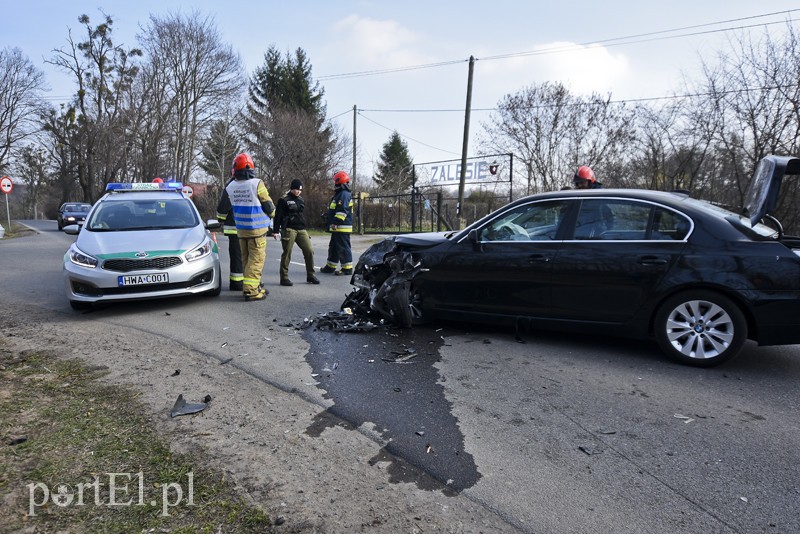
(585, 179)
(339, 219)
(247, 198)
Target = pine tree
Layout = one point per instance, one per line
(395, 167)
(285, 124)
(220, 148)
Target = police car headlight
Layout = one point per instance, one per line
(77, 257)
(200, 252)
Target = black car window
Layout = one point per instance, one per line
(609, 219)
(538, 221)
(669, 225)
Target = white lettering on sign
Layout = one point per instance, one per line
(476, 171)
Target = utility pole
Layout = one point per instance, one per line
(353, 177)
(465, 147)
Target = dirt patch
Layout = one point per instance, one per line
(330, 479)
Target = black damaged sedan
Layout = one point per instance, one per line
(697, 278)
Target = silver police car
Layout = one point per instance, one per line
(141, 241)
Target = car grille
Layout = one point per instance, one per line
(128, 265)
(91, 291)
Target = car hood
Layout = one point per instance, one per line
(375, 254)
(423, 240)
(762, 196)
(129, 243)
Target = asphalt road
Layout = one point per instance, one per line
(555, 432)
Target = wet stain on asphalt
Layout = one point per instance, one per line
(386, 381)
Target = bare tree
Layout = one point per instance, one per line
(553, 132)
(21, 104)
(200, 74)
(103, 73)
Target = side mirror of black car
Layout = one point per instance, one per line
(476, 242)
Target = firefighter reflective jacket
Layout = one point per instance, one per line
(340, 211)
(249, 201)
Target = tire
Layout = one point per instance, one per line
(700, 328)
(216, 291)
(405, 305)
(415, 305)
(80, 305)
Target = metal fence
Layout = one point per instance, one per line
(419, 212)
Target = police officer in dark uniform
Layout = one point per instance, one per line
(290, 223)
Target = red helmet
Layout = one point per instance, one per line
(158, 180)
(243, 161)
(585, 173)
(340, 178)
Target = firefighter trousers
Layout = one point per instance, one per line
(254, 253)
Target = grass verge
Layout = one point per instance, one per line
(63, 435)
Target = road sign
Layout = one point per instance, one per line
(187, 191)
(6, 184)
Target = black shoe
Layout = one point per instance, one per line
(236, 286)
(327, 270)
(349, 270)
(286, 282)
(312, 279)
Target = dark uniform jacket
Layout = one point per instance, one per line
(289, 213)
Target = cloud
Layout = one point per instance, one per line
(376, 44)
(583, 69)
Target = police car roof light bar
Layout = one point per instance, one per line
(146, 186)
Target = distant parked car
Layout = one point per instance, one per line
(72, 213)
(699, 279)
(141, 241)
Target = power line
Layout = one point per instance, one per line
(614, 41)
(623, 101)
(407, 137)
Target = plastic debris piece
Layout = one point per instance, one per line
(224, 344)
(420, 432)
(343, 322)
(176, 373)
(686, 418)
(227, 360)
(181, 407)
(428, 449)
(17, 441)
(589, 451)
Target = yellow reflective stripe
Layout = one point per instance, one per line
(333, 205)
(343, 229)
(341, 215)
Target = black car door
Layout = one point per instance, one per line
(506, 267)
(607, 272)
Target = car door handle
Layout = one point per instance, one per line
(653, 260)
(539, 258)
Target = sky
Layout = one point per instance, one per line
(516, 43)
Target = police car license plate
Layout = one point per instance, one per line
(143, 279)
